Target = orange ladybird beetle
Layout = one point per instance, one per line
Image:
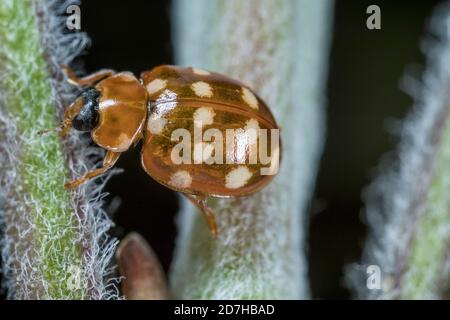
(169, 103)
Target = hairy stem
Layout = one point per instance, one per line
(52, 239)
(280, 48)
(408, 206)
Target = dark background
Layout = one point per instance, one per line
(363, 97)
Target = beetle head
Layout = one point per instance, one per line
(87, 118)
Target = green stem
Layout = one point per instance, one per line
(408, 206)
(52, 238)
(280, 48)
(429, 247)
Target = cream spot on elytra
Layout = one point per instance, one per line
(238, 177)
(156, 85)
(202, 89)
(252, 124)
(201, 72)
(123, 141)
(204, 116)
(156, 124)
(180, 179)
(249, 98)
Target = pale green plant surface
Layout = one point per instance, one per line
(279, 48)
(408, 206)
(430, 245)
(51, 245)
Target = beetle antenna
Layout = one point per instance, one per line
(59, 128)
(45, 131)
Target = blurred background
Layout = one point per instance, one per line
(364, 101)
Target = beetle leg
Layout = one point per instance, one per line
(87, 80)
(200, 203)
(70, 112)
(108, 162)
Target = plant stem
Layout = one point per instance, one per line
(280, 48)
(408, 205)
(51, 237)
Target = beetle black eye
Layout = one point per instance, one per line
(87, 118)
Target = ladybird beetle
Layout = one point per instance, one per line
(169, 103)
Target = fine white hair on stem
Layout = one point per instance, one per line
(405, 208)
(280, 49)
(63, 48)
(30, 234)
